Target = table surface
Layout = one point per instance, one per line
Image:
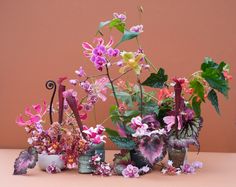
(219, 170)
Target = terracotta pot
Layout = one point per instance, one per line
(44, 160)
(178, 156)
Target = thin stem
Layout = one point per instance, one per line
(112, 86)
(141, 96)
(144, 93)
(104, 121)
(121, 75)
(150, 63)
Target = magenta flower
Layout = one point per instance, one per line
(121, 17)
(53, 168)
(188, 168)
(136, 122)
(35, 116)
(98, 53)
(137, 28)
(80, 72)
(94, 135)
(130, 171)
(197, 165)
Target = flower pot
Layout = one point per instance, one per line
(138, 159)
(99, 149)
(84, 162)
(45, 160)
(178, 156)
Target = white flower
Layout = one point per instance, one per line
(30, 141)
(164, 171)
(145, 169)
(141, 131)
(170, 162)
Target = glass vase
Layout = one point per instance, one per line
(138, 159)
(178, 156)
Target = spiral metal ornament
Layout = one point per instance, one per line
(51, 85)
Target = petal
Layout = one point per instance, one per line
(110, 43)
(87, 46)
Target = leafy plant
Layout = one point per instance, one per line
(123, 143)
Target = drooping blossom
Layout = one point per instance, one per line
(188, 168)
(73, 81)
(80, 72)
(98, 54)
(53, 168)
(163, 94)
(170, 169)
(122, 17)
(34, 115)
(137, 28)
(130, 172)
(99, 167)
(99, 88)
(130, 60)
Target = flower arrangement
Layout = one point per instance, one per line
(149, 124)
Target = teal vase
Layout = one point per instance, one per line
(84, 162)
(100, 150)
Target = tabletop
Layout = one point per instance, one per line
(219, 170)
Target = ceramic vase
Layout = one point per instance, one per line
(45, 160)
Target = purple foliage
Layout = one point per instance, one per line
(26, 159)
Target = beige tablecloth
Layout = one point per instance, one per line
(219, 170)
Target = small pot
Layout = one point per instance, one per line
(138, 159)
(45, 160)
(178, 156)
(99, 149)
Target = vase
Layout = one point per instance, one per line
(178, 156)
(84, 161)
(138, 159)
(99, 149)
(45, 160)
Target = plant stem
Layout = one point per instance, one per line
(141, 96)
(112, 86)
(121, 75)
(150, 63)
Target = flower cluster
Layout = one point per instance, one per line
(95, 135)
(100, 168)
(53, 168)
(99, 54)
(133, 172)
(186, 168)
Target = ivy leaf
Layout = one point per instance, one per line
(122, 142)
(125, 97)
(150, 108)
(118, 24)
(128, 35)
(112, 132)
(156, 80)
(26, 159)
(212, 96)
(198, 88)
(115, 115)
(216, 80)
(196, 106)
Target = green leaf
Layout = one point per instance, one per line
(208, 63)
(212, 96)
(125, 97)
(196, 106)
(216, 80)
(132, 113)
(115, 115)
(150, 108)
(128, 35)
(122, 142)
(198, 88)
(156, 80)
(112, 132)
(118, 24)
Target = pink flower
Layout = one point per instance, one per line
(227, 75)
(188, 168)
(80, 72)
(170, 169)
(137, 28)
(99, 88)
(122, 17)
(35, 116)
(197, 164)
(136, 122)
(141, 131)
(163, 94)
(69, 93)
(170, 121)
(95, 134)
(73, 82)
(130, 171)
